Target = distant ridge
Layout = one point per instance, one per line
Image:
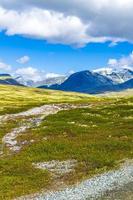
(127, 85)
(97, 81)
(47, 81)
(5, 75)
(7, 79)
(84, 81)
(117, 75)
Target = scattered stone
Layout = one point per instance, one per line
(82, 125)
(71, 122)
(45, 138)
(32, 141)
(15, 148)
(57, 167)
(24, 142)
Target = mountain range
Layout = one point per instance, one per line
(46, 81)
(116, 75)
(96, 81)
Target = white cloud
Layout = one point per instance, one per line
(112, 62)
(4, 66)
(71, 72)
(51, 75)
(44, 24)
(74, 22)
(30, 73)
(23, 59)
(124, 62)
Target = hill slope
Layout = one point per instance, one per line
(7, 79)
(15, 99)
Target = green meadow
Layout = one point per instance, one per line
(14, 99)
(99, 137)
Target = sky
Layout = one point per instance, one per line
(46, 38)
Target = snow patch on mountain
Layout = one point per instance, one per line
(117, 75)
(48, 80)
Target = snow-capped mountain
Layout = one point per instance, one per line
(96, 81)
(24, 81)
(46, 81)
(84, 81)
(117, 75)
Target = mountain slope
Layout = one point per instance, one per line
(6, 79)
(84, 81)
(15, 99)
(47, 81)
(96, 82)
(119, 75)
(127, 85)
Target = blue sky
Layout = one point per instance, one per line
(55, 36)
(59, 58)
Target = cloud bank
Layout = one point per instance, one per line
(76, 22)
(31, 73)
(123, 62)
(23, 60)
(43, 24)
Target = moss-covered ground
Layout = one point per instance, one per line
(98, 137)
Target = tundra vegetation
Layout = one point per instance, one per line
(98, 138)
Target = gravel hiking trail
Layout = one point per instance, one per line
(36, 115)
(112, 185)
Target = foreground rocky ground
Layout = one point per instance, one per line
(114, 185)
(123, 193)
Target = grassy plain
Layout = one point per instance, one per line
(14, 99)
(98, 137)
